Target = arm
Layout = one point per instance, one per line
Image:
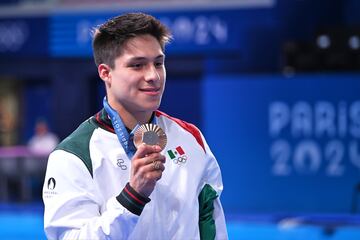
(74, 208)
(211, 216)
(72, 204)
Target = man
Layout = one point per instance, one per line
(43, 141)
(98, 185)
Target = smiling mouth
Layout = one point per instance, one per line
(151, 91)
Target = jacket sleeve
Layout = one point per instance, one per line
(209, 200)
(74, 210)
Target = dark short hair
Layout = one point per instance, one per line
(109, 38)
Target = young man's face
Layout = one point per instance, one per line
(138, 79)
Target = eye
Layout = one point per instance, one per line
(159, 64)
(136, 65)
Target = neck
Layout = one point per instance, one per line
(130, 119)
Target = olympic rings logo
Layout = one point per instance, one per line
(121, 164)
(180, 160)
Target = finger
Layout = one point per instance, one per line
(157, 167)
(157, 175)
(145, 149)
(154, 174)
(150, 167)
(137, 163)
(149, 173)
(154, 157)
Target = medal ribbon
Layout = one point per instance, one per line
(122, 134)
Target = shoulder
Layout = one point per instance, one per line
(77, 142)
(189, 127)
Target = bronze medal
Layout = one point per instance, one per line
(150, 134)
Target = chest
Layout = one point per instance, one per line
(184, 167)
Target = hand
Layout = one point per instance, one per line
(144, 174)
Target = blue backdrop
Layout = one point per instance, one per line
(285, 145)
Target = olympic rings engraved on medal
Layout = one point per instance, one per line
(180, 160)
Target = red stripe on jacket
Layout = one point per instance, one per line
(187, 126)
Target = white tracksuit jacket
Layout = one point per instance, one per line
(86, 194)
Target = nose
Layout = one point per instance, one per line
(152, 74)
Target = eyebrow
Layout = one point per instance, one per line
(161, 56)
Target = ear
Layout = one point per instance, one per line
(104, 73)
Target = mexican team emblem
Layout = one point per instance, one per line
(177, 155)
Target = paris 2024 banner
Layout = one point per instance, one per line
(286, 144)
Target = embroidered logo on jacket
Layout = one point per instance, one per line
(121, 163)
(51, 183)
(50, 191)
(177, 155)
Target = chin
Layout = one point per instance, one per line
(147, 108)
(147, 105)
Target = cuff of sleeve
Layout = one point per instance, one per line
(132, 200)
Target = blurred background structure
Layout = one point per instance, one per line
(273, 84)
